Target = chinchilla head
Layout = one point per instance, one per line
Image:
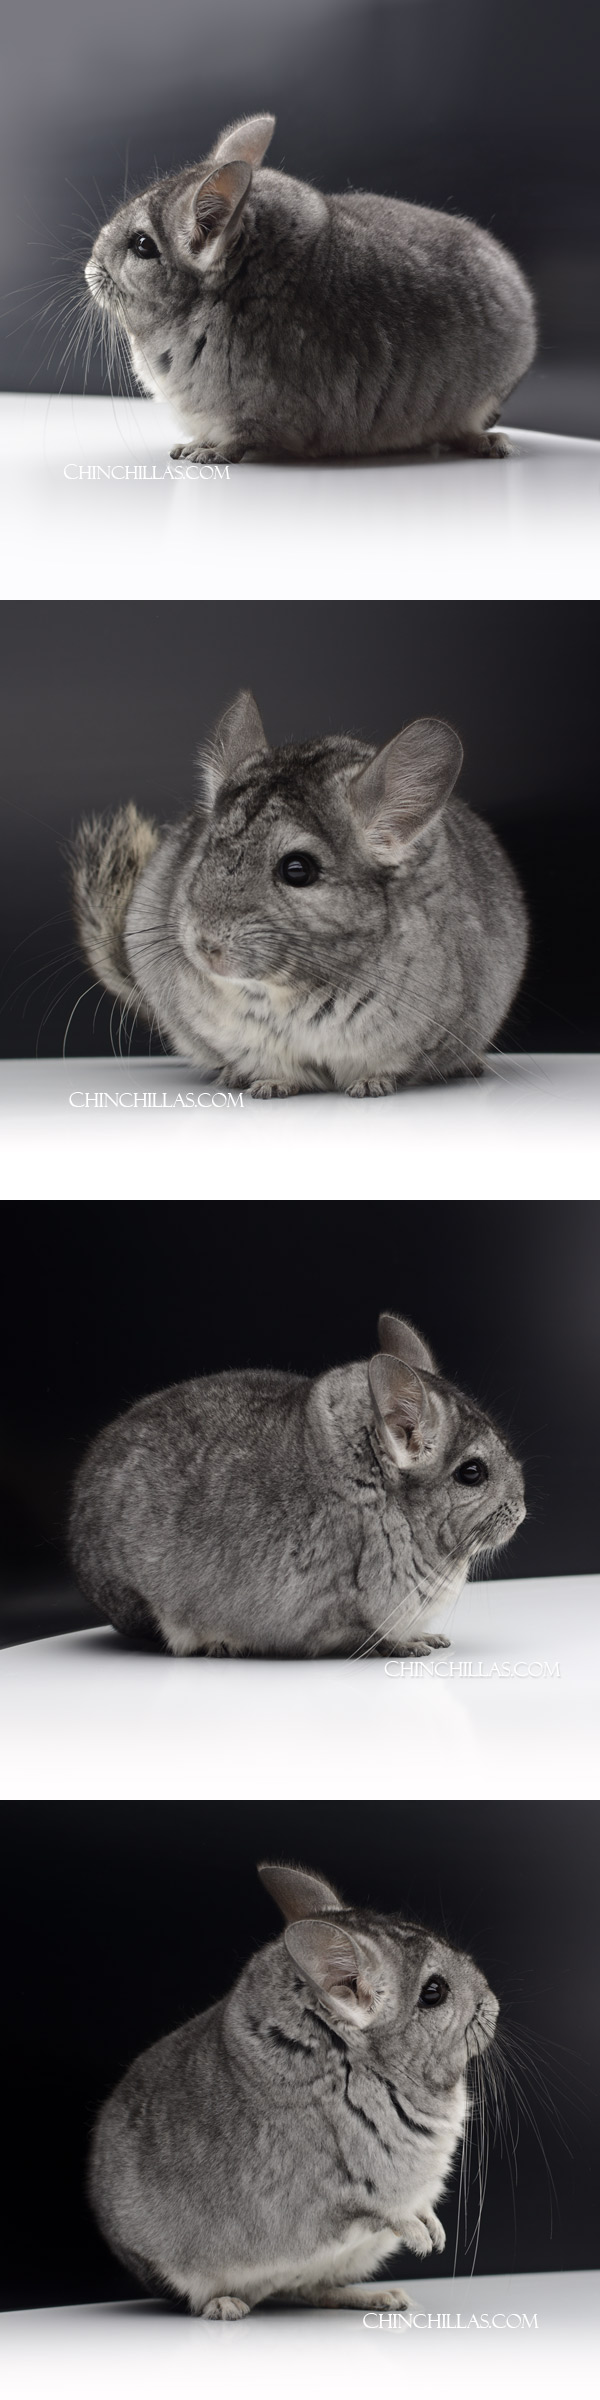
(150, 260)
(453, 1472)
(284, 875)
(410, 2004)
(440, 1445)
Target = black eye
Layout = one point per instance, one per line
(434, 1992)
(473, 1470)
(143, 246)
(298, 867)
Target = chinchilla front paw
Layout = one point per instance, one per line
(421, 2233)
(226, 2307)
(484, 445)
(439, 1641)
(274, 1091)
(375, 1087)
(412, 1649)
(202, 454)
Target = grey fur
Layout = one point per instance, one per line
(288, 2140)
(264, 1514)
(275, 318)
(395, 966)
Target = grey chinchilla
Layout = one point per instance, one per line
(264, 1514)
(329, 916)
(273, 317)
(288, 2140)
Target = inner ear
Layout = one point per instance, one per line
(239, 735)
(218, 202)
(401, 791)
(329, 1957)
(402, 1341)
(403, 1408)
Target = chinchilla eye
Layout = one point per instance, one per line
(298, 867)
(434, 1992)
(143, 246)
(473, 1470)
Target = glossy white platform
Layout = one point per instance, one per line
(92, 508)
(137, 2351)
(106, 1129)
(510, 1711)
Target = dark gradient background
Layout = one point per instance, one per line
(452, 103)
(109, 702)
(121, 1920)
(109, 1300)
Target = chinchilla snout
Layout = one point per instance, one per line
(504, 1520)
(481, 2030)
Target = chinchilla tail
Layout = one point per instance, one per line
(106, 856)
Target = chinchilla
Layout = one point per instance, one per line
(275, 318)
(292, 2137)
(327, 917)
(269, 1515)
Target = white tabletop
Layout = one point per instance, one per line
(510, 1711)
(105, 1129)
(91, 509)
(138, 2351)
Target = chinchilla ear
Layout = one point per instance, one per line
(239, 735)
(402, 1341)
(298, 1894)
(410, 1418)
(405, 786)
(247, 140)
(338, 1964)
(203, 216)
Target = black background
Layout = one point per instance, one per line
(120, 1920)
(109, 702)
(109, 1300)
(452, 103)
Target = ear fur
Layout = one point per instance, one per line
(405, 786)
(247, 140)
(408, 1415)
(239, 735)
(298, 1894)
(401, 1340)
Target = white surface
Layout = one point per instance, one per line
(510, 1712)
(526, 527)
(102, 1129)
(137, 2351)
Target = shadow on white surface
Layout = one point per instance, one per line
(94, 508)
(529, 1128)
(511, 1710)
(546, 2328)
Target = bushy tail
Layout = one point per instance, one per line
(106, 857)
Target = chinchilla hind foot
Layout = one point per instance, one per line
(363, 2295)
(226, 2308)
